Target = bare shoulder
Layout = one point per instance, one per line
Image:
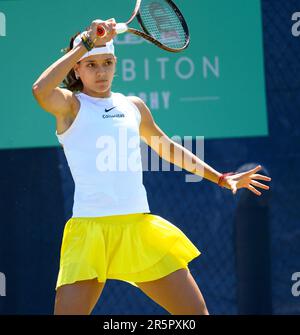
(59, 101)
(143, 108)
(148, 126)
(136, 100)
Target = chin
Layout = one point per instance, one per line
(102, 88)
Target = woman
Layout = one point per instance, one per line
(112, 233)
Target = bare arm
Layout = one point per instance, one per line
(168, 149)
(52, 98)
(173, 152)
(54, 75)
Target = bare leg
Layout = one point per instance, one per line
(78, 298)
(178, 293)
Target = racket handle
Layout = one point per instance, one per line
(121, 28)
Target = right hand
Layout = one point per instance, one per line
(108, 25)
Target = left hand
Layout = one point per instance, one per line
(246, 180)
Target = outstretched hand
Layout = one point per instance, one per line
(247, 180)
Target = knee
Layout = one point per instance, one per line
(204, 311)
(192, 309)
(65, 306)
(199, 310)
(60, 308)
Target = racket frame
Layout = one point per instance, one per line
(151, 39)
(123, 27)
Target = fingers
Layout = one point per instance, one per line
(111, 20)
(232, 186)
(254, 190)
(106, 22)
(257, 168)
(263, 186)
(261, 177)
(246, 179)
(108, 25)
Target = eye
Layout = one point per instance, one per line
(109, 62)
(92, 64)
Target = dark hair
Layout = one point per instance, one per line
(70, 82)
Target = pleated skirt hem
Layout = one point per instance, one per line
(165, 250)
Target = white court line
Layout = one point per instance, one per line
(190, 99)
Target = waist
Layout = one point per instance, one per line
(109, 203)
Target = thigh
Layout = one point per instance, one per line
(78, 298)
(177, 292)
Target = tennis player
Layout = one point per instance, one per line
(112, 234)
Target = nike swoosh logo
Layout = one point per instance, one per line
(109, 109)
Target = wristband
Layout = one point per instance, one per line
(223, 176)
(87, 42)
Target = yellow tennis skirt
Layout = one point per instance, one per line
(132, 248)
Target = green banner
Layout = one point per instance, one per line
(214, 89)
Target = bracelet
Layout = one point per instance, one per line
(87, 42)
(223, 176)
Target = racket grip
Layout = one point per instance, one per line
(121, 28)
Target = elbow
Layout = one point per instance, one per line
(37, 93)
(35, 89)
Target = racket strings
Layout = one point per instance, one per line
(161, 22)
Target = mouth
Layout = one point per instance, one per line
(101, 81)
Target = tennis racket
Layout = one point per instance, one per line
(161, 22)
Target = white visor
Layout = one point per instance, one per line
(107, 49)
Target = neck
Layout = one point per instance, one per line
(94, 94)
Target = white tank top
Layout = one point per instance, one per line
(102, 147)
